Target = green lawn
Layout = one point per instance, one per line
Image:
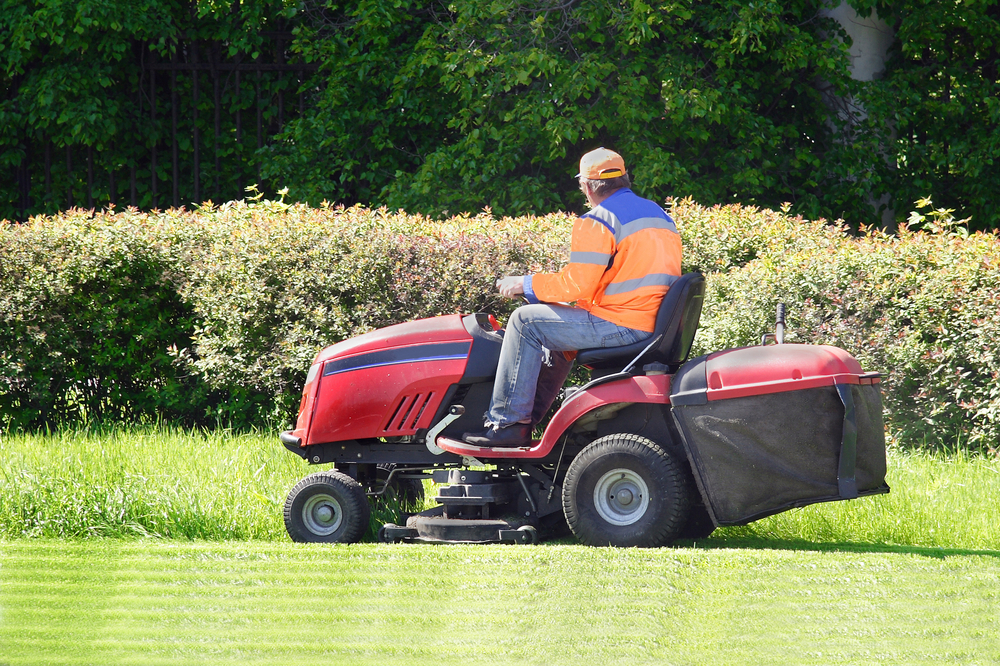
(163, 602)
(223, 486)
(908, 578)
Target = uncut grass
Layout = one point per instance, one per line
(152, 482)
(223, 486)
(146, 482)
(936, 500)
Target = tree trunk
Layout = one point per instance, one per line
(871, 39)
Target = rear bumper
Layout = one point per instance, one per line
(292, 442)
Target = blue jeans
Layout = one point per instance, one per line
(532, 368)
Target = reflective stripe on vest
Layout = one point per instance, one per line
(594, 258)
(651, 280)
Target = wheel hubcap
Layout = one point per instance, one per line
(322, 514)
(621, 497)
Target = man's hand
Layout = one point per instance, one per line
(511, 286)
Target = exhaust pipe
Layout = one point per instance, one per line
(779, 325)
(779, 328)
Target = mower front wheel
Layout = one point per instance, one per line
(327, 507)
(625, 490)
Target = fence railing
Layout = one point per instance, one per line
(193, 127)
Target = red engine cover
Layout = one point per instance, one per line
(386, 383)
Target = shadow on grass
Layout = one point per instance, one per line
(739, 543)
(750, 543)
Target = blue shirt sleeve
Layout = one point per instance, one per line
(529, 292)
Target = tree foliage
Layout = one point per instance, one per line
(937, 110)
(435, 107)
(456, 105)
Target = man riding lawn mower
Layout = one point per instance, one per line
(654, 448)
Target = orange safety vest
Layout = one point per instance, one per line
(623, 258)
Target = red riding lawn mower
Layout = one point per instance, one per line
(654, 448)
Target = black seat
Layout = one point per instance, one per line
(676, 324)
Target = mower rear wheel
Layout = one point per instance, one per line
(327, 507)
(625, 490)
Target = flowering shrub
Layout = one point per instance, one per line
(281, 282)
(214, 315)
(88, 311)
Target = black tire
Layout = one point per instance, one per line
(532, 533)
(409, 492)
(625, 490)
(381, 537)
(327, 507)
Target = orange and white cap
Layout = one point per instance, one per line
(601, 164)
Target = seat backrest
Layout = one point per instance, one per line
(676, 324)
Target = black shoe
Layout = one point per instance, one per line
(513, 436)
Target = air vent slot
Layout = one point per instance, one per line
(407, 413)
(420, 412)
(400, 409)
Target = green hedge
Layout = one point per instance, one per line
(922, 307)
(212, 316)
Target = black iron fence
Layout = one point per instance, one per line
(190, 131)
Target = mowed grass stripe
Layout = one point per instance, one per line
(178, 603)
(906, 578)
